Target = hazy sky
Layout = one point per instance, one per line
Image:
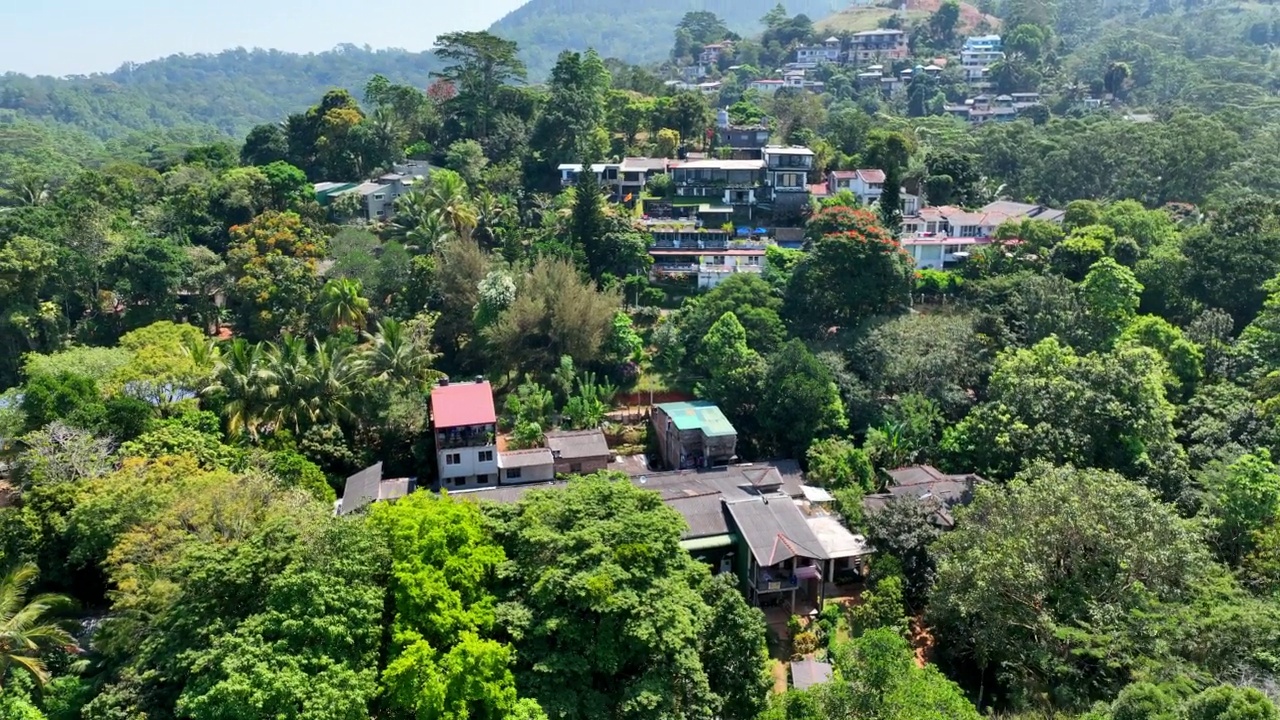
(60, 37)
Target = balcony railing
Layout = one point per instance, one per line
(776, 581)
(674, 267)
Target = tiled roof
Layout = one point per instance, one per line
(871, 175)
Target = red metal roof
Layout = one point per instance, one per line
(468, 403)
(871, 175)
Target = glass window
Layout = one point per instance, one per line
(453, 459)
(513, 474)
(486, 456)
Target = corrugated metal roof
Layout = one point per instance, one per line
(699, 415)
(775, 529)
(572, 444)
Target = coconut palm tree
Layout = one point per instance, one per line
(243, 379)
(342, 304)
(448, 199)
(333, 375)
(393, 355)
(288, 392)
(27, 627)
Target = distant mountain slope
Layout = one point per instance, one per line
(640, 32)
(230, 91)
(869, 17)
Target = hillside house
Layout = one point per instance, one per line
(977, 55)
(694, 435)
(878, 46)
(710, 54)
(737, 183)
(926, 483)
(368, 487)
(939, 237)
(525, 466)
(750, 519)
(867, 185)
(745, 142)
(787, 174)
(578, 452)
(465, 426)
(810, 56)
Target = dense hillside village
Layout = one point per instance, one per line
(874, 361)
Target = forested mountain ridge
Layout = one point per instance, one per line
(639, 33)
(230, 91)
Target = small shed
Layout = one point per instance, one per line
(525, 466)
(807, 673)
(578, 452)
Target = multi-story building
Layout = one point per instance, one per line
(977, 55)
(621, 179)
(682, 248)
(868, 185)
(878, 45)
(787, 175)
(740, 183)
(939, 237)
(744, 142)
(694, 435)
(810, 56)
(710, 54)
(465, 426)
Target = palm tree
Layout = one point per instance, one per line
(243, 378)
(288, 392)
(412, 210)
(332, 377)
(448, 199)
(26, 627)
(342, 304)
(392, 355)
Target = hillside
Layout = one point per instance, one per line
(856, 19)
(640, 33)
(228, 92)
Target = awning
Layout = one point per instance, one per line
(808, 572)
(816, 494)
(709, 542)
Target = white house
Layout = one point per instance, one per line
(939, 236)
(978, 54)
(812, 55)
(465, 425)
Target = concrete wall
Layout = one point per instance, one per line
(470, 464)
(582, 466)
(530, 474)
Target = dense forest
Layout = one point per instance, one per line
(197, 348)
(226, 93)
(637, 33)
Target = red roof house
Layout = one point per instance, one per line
(462, 404)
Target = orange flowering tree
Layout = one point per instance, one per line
(855, 270)
(272, 262)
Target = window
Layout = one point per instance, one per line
(379, 196)
(453, 459)
(753, 260)
(482, 479)
(513, 474)
(575, 467)
(486, 456)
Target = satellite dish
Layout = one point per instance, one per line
(644, 479)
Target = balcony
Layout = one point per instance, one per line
(674, 268)
(778, 579)
(474, 436)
